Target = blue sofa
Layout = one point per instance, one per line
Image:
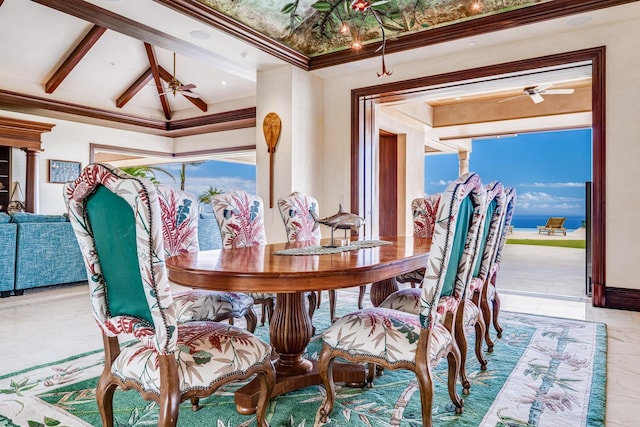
(7, 254)
(42, 250)
(47, 252)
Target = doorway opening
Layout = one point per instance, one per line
(367, 102)
(549, 172)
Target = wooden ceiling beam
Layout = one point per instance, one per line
(105, 18)
(167, 77)
(135, 87)
(46, 107)
(74, 58)
(151, 54)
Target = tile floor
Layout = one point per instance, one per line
(51, 324)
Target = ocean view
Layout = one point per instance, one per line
(533, 221)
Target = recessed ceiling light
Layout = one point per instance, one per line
(579, 20)
(223, 83)
(473, 43)
(457, 98)
(200, 35)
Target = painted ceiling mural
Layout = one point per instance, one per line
(319, 27)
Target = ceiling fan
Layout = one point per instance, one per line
(536, 92)
(174, 86)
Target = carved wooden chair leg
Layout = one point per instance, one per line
(263, 314)
(313, 301)
(271, 303)
(252, 320)
(195, 404)
(332, 305)
(480, 328)
(104, 396)
(363, 290)
(461, 343)
(326, 359)
(486, 315)
(496, 313)
(319, 299)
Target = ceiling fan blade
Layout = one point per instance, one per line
(511, 98)
(536, 98)
(558, 92)
(543, 87)
(189, 94)
(187, 87)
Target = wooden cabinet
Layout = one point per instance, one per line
(5, 177)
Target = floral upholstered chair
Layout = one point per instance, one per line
(491, 294)
(179, 211)
(400, 340)
(240, 216)
(297, 211)
(424, 211)
(486, 251)
(116, 220)
(456, 298)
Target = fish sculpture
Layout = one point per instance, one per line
(342, 220)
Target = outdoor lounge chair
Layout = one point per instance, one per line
(553, 224)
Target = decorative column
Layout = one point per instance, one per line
(27, 136)
(31, 191)
(463, 162)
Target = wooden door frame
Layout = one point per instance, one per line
(362, 135)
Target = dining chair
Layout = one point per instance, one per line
(486, 251)
(491, 294)
(297, 211)
(416, 342)
(117, 222)
(179, 213)
(457, 300)
(424, 210)
(240, 216)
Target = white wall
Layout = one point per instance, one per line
(226, 139)
(296, 96)
(622, 41)
(70, 141)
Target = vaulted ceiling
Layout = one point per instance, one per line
(111, 62)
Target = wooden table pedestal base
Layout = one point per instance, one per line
(381, 290)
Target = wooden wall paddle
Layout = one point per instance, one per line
(271, 126)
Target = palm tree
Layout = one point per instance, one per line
(183, 172)
(205, 196)
(148, 172)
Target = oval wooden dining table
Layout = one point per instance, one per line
(258, 269)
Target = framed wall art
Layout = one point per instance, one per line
(63, 171)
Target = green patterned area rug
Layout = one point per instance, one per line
(543, 372)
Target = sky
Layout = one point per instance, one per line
(226, 176)
(548, 170)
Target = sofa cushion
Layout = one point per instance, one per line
(4, 218)
(21, 217)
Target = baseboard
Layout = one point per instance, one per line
(622, 299)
